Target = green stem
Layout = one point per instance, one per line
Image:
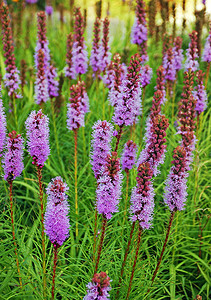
(54, 127)
(13, 234)
(54, 270)
(76, 184)
(15, 112)
(101, 243)
(142, 117)
(207, 75)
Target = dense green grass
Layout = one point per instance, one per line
(183, 274)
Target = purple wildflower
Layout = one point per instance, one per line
(128, 105)
(105, 54)
(177, 52)
(37, 133)
(56, 216)
(129, 155)
(142, 197)
(78, 106)
(79, 53)
(11, 78)
(99, 287)
(69, 54)
(41, 84)
(101, 140)
(160, 86)
(109, 187)
(154, 152)
(2, 125)
(176, 183)
(199, 93)
(145, 75)
(139, 30)
(108, 77)
(169, 65)
(53, 85)
(31, 1)
(192, 53)
(49, 10)
(207, 49)
(95, 59)
(13, 159)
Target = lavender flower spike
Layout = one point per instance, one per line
(98, 288)
(129, 155)
(176, 188)
(146, 75)
(56, 216)
(142, 197)
(41, 84)
(95, 53)
(109, 187)
(37, 133)
(2, 125)
(78, 106)
(177, 52)
(53, 85)
(105, 54)
(206, 56)
(13, 159)
(101, 140)
(192, 53)
(199, 93)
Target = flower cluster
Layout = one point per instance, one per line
(101, 140)
(145, 75)
(139, 30)
(49, 10)
(56, 216)
(142, 197)
(41, 84)
(69, 55)
(108, 77)
(37, 132)
(105, 53)
(160, 83)
(186, 115)
(2, 125)
(78, 106)
(79, 53)
(177, 52)
(128, 105)
(53, 85)
(199, 93)
(169, 65)
(109, 187)
(175, 185)
(99, 287)
(129, 155)
(154, 152)
(95, 59)
(13, 159)
(11, 79)
(192, 53)
(207, 49)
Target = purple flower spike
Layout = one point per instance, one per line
(56, 216)
(206, 56)
(37, 133)
(176, 189)
(129, 156)
(11, 78)
(78, 106)
(95, 59)
(49, 10)
(199, 93)
(146, 75)
(53, 85)
(139, 30)
(41, 83)
(108, 78)
(79, 53)
(105, 53)
(109, 187)
(142, 197)
(69, 55)
(101, 146)
(177, 52)
(98, 288)
(160, 86)
(128, 105)
(154, 152)
(2, 125)
(31, 1)
(169, 65)
(13, 159)
(192, 53)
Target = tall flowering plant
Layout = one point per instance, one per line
(95, 59)
(2, 126)
(13, 167)
(206, 56)
(139, 30)
(56, 217)
(105, 54)
(192, 53)
(99, 287)
(11, 79)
